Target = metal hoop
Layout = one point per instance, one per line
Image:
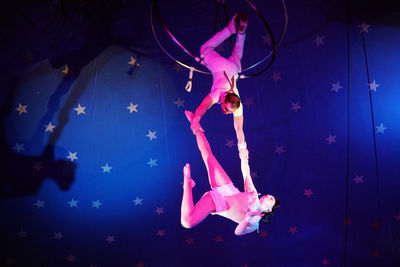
(271, 53)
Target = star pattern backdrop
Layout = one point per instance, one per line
(94, 138)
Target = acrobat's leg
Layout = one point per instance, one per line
(237, 52)
(211, 59)
(216, 174)
(191, 214)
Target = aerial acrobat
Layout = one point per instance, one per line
(224, 199)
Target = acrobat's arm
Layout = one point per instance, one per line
(200, 111)
(248, 224)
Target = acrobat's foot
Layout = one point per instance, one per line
(187, 176)
(233, 24)
(189, 115)
(242, 22)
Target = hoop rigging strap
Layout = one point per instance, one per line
(272, 53)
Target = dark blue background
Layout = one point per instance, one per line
(96, 40)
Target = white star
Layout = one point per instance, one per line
(73, 203)
(18, 147)
(96, 204)
(152, 135)
(279, 149)
(319, 40)
(80, 109)
(380, 128)
(39, 204)
(72, 156)
(373, 86)
(336, 87)
(106, 168)
(179, 103)
(296, 106)
(110, 239)
(159, 210)
(276, 76)
(364, 27)
(50, 127)
(132, 108)
(58, 235)
(21, 109)
(138, 201)
(331, 139)
(152, 162)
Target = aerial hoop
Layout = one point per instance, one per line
(271, 54)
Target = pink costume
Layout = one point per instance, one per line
(219, 194)
(218, 64)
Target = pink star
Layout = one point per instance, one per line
(110, 239)
(308, 192)
(254, 174)
(159, 210)
(358, 179)
(397, 217)
(248, 101)
(22, 233)
(229, 143)
(38, 166)
(263, 234)
(9, 261)
(319, 40)
(376, 224)
(331, 139)
(190, 241)
(326, 261)
(364, 27)
(161, 233)
(293, 230)
(276, 76)
(218, 239)
(279, 150)
(177, 67)
(267, 39)
(296, 106)
(58, 236)
(71, 258)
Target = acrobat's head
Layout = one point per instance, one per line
(230, 104)
(268, 204)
